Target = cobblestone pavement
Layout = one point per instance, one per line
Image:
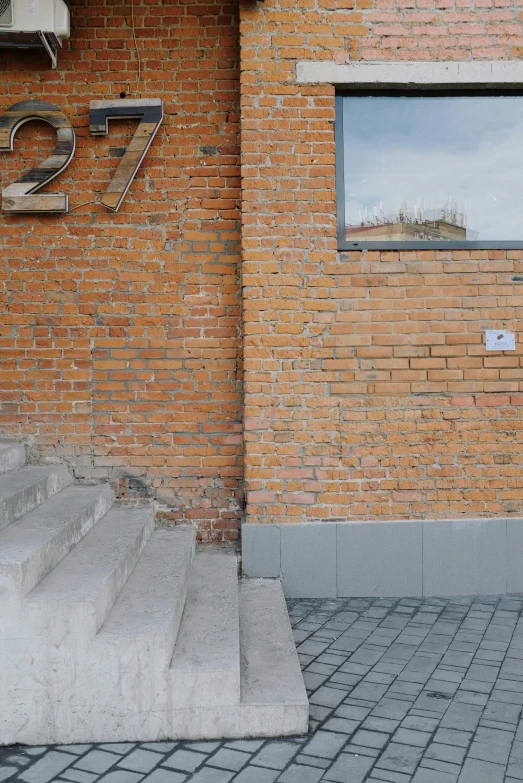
(401, 691)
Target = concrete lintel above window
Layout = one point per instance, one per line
(479, 73)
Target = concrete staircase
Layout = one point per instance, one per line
(111, 630)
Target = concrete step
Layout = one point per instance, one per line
(23, 489)
(273, 696)
(73, 601)
(12, 455)
(151, 604)
(205, 669)
(235, 671)
(33, 545)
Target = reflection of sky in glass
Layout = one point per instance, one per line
(425, 151)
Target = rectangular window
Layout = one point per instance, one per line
(429, 170)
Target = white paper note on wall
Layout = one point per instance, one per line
(500, 340)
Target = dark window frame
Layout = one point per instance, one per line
(409, 91)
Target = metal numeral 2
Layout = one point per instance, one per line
(19, 196)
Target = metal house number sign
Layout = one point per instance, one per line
(22, 195)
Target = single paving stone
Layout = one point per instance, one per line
(475, 771)
(326, 744)
(162, 776)
(78, 775)
(229, 759)
(515, 768)
(412, 737)
(384, 725)
(341, 725)
(211, 775)
(141, 760)
(499, 711)
(201, 747)
(79, 749)
(451, 754)
(420, 723)
(489, 752)
(433, 776)
(97, 761)
(349, 767)
(160, 747)
(318, 713)
(18, 760)
(275, 755)
(328, 697)
(298, 773)
(124, 776)
(311, 761)
(390, 777)
(391, 708)
(369, 691)
(453, 737)
(461, 716)
(370, 739)
(256, 775)
(48, 767)
(313, 681)
(249, 745)
(185, 760)
(117, 747)
(400, 758)
(352, 712)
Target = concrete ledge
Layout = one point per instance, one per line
(461, 74)
(388, 558)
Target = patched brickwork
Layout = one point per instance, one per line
(369, 393)
(120, 333)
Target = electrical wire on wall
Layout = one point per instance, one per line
(139, 59)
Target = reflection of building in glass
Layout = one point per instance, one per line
(446, 223)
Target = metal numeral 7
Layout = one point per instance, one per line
(150, 113)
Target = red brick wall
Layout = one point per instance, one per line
(368, 390)
(119, 333)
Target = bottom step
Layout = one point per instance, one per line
(273, 698)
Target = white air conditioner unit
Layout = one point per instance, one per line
(32, 24)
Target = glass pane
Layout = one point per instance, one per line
(433, 168)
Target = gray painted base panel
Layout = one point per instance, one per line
(434, 557)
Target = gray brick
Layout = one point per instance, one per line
(349, 767)
(275, 755)
(159, 747)
(212, 775)
(412, 737)
(449, 753)
(97, 761)
(400, 758)
(328, 697)
(78, 776)
(298, 773)
(481, 772)
(165, 776)
(370, 739)
(141, 760)
(184, 760)
(326, 744)
(125, 776)
(227, 758)
(433, 776)
(256, 775)
(48, 767)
